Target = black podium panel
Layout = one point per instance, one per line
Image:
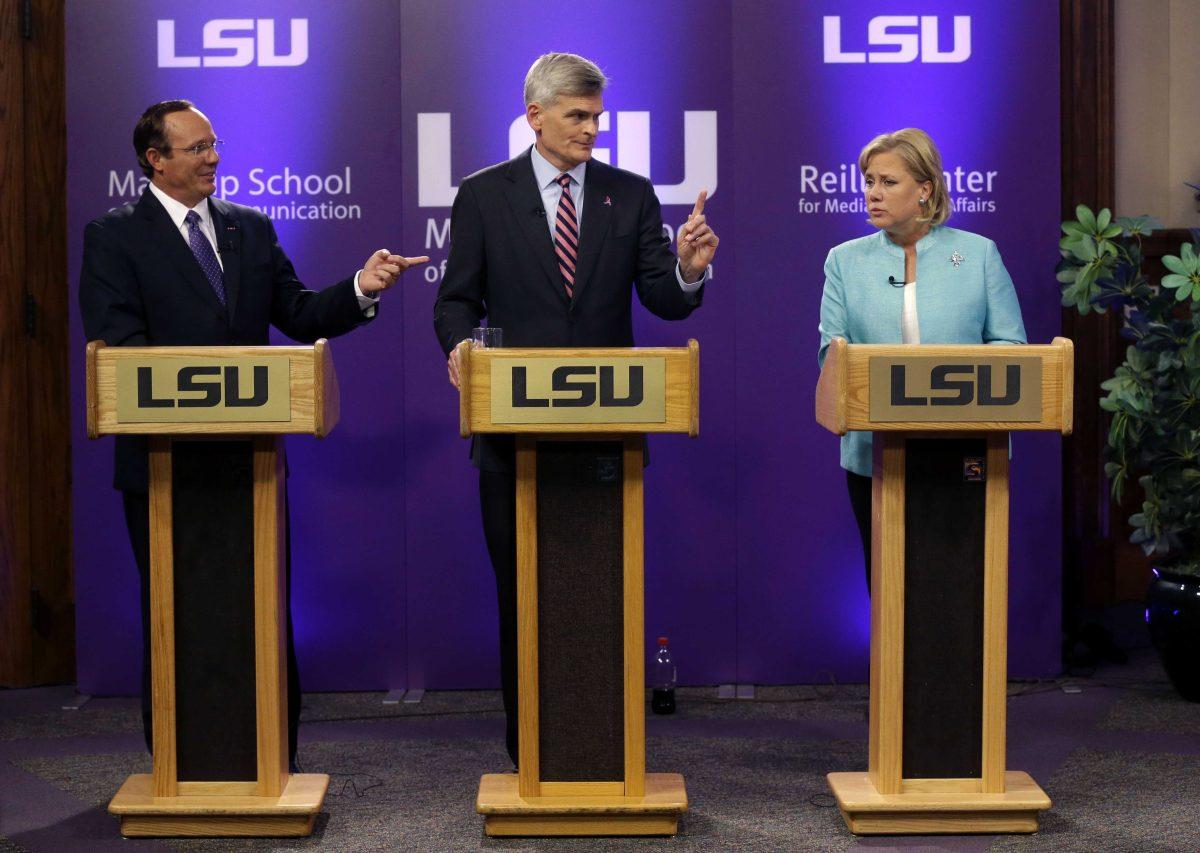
(580, 554)
(213, 523)
(944, 505)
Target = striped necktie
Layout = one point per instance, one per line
(566, 235)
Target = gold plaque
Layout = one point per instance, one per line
(578, 390)
(211, 390)
(953, 389)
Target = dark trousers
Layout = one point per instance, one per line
(498, 501)
(137, 520)
(860, 499)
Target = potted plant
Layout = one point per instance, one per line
(1154, 400)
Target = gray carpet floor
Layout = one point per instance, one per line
(1120, 760)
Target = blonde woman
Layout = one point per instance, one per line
(913, 281)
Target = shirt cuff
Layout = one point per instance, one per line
(694, 286)
(366, 303)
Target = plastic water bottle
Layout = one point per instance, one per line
(662, 696)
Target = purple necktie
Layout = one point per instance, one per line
(205, 256)
(566, 235)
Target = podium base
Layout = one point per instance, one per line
(507, 813)
(218, 815)
(868, 812)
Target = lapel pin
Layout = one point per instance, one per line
(608, 201)
(956, 259)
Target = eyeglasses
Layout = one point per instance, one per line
(202, 148)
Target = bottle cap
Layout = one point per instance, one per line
(662, 641)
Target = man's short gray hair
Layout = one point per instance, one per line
(557, 74)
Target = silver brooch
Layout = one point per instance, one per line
(956, 258)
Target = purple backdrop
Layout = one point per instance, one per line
(752, 561)
(803, 611)
(321, 120)
(691, 555)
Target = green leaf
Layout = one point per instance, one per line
(1138, 226)
(1087, 275)
(1086, 218)
(1103, 219)
(1077, 295)
(1175, 265)
(1071, 242)
(1111, 231)
(1174, 281)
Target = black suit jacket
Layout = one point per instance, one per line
(141, 286)
(502, 266)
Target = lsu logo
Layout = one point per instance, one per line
(202, 387)
(905, 38)
(435, 184)
(582, 387)
(973, 384)
(236, 42)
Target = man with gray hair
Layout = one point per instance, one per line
(549, 247)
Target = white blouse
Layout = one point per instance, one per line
(910, 331)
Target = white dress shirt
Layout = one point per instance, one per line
(178, 212)
(546, 174)
(910, 330)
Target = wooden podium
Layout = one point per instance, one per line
(578, 416)
(939, 574)
(218, 593)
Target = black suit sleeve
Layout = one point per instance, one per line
(306, 315)
(109, 300)
(460, 303)
(657, 287)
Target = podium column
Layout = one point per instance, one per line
(939, 575)
(218, 586)
(578, 417)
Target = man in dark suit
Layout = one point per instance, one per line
(549, 247)
(182, 269)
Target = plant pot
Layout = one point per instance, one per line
(1173, 615)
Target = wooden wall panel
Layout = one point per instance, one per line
(37, 618)
(1100, 566)
(16, 662)
(1088, 168)
(48, 436)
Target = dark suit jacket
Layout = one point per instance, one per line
(142, 286)
(502, 265)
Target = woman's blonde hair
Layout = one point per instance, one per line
(924, 162)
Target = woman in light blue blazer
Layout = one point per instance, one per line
(912, 281)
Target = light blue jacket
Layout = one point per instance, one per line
(964, 296)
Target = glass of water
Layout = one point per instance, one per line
(488, 337)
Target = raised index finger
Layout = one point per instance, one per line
(700, 199)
